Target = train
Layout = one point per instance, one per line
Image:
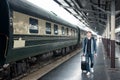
(27, 32)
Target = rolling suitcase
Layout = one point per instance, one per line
(83, 63)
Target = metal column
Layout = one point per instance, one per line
(108, 25)
(113, 34)
(108, 35)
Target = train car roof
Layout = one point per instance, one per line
(26, 7)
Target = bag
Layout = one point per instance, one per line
(83, 63)
(83, 58)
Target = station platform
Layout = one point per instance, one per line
(71, 69)
(114, 73)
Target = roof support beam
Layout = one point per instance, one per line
(117, 18)
(102, 25)
(98, 19)
(98, 23)
(84, 10)
(80, 9)
(117, 12)
(100, 8)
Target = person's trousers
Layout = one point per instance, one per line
(90, 61)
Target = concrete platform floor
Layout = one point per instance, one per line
(114, 73)
(71, 69)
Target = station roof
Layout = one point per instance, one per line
(92, 13)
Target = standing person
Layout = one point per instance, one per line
(89, 51)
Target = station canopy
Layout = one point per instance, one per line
(92, 13)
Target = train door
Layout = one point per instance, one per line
(4, 30)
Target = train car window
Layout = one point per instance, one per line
(48, 28)
(71, 32)
(33, 25)
(74, 32)
(55, 29)
(63, 31)
(67, 31)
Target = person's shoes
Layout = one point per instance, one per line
(92, 70)
(88, 73)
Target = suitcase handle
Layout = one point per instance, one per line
(83, 58)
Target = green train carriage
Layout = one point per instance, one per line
(27, 31)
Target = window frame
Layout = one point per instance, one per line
(48, 28)
(63, 30)
(33, 23)
(55, 29)
(67, 31)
